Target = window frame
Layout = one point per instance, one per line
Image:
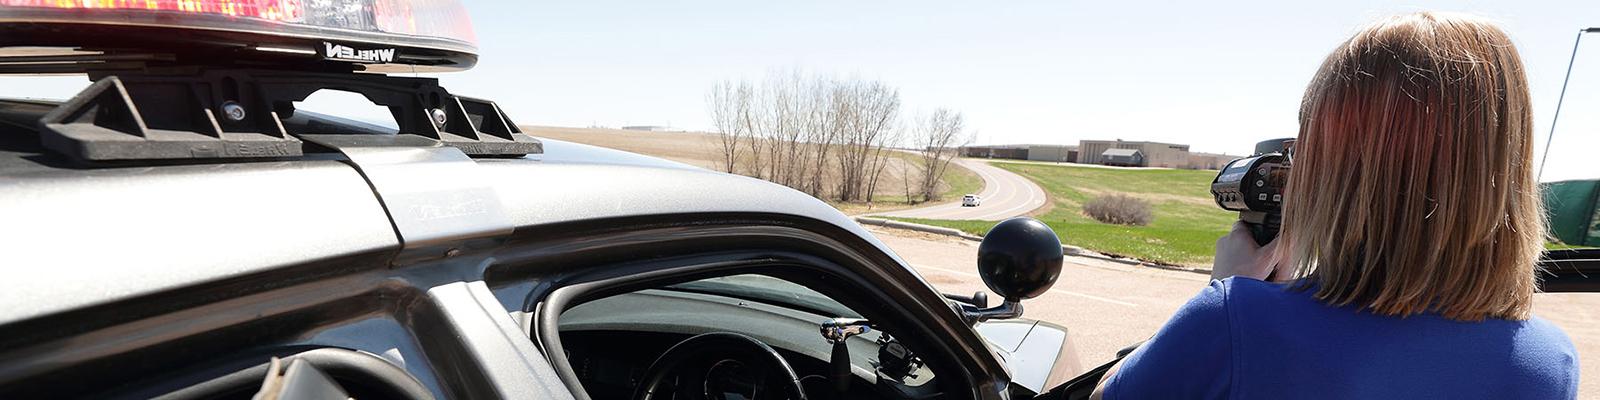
(583, 264)
(790, 270)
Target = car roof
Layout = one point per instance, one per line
(78, 236)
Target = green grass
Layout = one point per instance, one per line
(958, 181)
(1185, 229)
(1564, 246)
(961, 181)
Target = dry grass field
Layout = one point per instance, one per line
(701, 149)
(693, 148)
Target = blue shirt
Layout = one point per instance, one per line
(1248, 339)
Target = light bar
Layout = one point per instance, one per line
(441, 25)
(275, 10)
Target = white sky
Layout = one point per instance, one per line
(1218, 76)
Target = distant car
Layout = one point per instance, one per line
(971, 200)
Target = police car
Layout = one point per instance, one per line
(179, 229)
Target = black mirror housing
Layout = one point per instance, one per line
(1020, 258)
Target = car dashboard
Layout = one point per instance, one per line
(610, 343)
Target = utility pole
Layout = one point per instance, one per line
(1548, 141)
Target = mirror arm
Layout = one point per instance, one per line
(1006, 310)
(979, 299)
(837, 331)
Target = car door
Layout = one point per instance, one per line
(549, 274)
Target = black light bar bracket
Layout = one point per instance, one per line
(188, 113)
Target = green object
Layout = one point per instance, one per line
(1571, 206)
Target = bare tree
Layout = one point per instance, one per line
(754, 121)
(792, 113)
(881, 157)
(940, 136)
(821, 132)
(906, 177)
(870, 111)
(728, 102)
(790, 127)
(776, 98)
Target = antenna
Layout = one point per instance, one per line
(1549, 140)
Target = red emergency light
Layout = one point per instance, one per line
(435, 33)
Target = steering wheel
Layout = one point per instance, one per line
(720, 365)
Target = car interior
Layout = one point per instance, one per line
(619, 343)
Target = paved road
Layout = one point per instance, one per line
(1004, 194)
(1106, 306)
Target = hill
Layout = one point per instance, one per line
(701, 149)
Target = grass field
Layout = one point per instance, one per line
(1186, 226)
(1563, 246)
(959, 181)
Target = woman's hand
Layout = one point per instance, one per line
(1238, 255)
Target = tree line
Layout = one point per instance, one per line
(831, 138)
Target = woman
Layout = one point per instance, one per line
(1408, 244)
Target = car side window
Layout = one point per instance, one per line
(613, 342)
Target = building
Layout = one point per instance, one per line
(650, 128)
(1033, 152)
(1122, 157)
(1209, 160)
(1149, 154)
(1154, 154)
(1010, 152)
(1052, 153)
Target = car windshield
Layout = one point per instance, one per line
(769, 290)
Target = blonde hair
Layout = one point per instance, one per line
(1413, 188)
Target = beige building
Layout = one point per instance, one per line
(1153, 154)
(1150, 154)
(1165, 155)
(1034, 152)
(1209, 160)
(1052, 153)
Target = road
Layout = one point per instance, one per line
(1107, 306)
(1005, 195)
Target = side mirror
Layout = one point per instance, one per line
(1020, 258)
